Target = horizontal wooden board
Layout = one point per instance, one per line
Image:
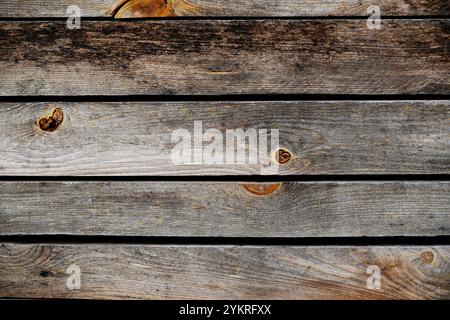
(189, 209)
(216, 57)
(223, 272)
(135, 138)
(221, 8)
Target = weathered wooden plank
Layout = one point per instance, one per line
(225, 57)
(293, 209)
(224, 272)
(139, 138)
(268, 8)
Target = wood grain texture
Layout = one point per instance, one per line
(135, 138)
(190, 209)
(223, 272)
(215, 57)
(221, 8)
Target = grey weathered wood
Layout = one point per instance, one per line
(315, 209)
(214, 57)
(134, 138)
(269, 8)
(224, 272)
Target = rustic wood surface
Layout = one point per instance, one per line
(135, 138)
(294, 209)
(216, 57)
(223, 58)
(224, 272)
(221, 8)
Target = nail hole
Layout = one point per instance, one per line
(52, 122)
(283, 156)
(44, 273)
(427, 257)
(262, 189)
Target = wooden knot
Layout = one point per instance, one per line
(155, 9)
(283, 156)
(52, 122)
(262, 189)
(427, 257)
